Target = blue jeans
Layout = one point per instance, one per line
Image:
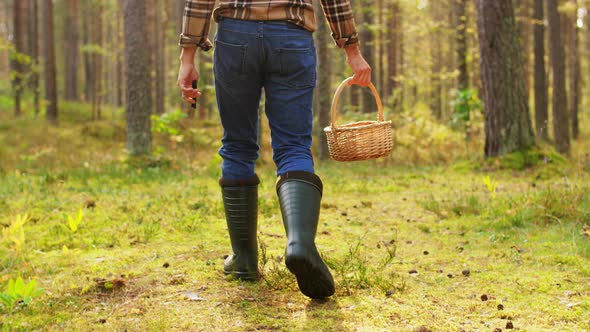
(279, 57)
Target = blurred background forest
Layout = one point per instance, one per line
(64, 60)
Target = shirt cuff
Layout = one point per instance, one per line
(203, 43)
(342, 42)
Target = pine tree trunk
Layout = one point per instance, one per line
(574, 60)
(51, 112)
(71, 51)
(87, 23)
(541, 98)
(139, 138)
(392, 32)
(381, 50)
(323, 91)
(17, 65)
(368, 50)
(559, 104)
(401, 59)
(159, 36)
(460, 14)
(150, 30)
(437, 55)
(507, 123)
(119, 62)
(99, 94)
(34, 40)
(525, 33)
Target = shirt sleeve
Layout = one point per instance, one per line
(341, 20)
(196, 21)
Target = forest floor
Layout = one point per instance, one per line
(443, 248)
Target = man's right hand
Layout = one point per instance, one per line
(187, 74)
(360, 67)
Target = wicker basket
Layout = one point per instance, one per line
(359, 140)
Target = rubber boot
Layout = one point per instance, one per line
(300, 194)
(240, 201)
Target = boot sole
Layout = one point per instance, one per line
(311, 279)
(245, 276)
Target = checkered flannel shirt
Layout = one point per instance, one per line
(197, 17)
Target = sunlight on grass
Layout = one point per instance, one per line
(117, 242)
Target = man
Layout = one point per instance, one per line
(268, 44)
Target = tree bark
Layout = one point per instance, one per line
(98, 92)
(87, 23)
(560, 117)
(17, 63)
(574, 79)
(139, 138)
(368, 48)
(51, 112)
(34, 48)
(71, 51)
(119, 62)
(524, 18)
(159, 37)
(437, 56)
(381, 49)
(392, 34)
(460, 14)
(507, 123)
(541, 98)
(150, 30)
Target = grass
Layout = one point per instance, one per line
(409, 246)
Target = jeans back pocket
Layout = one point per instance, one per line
(297, 65)
(229, 60)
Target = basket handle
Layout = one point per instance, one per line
(338, 92)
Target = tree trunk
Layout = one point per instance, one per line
(119, 62)
(392, 34)
(541, 98)
(323, 91)
(159, 37)
(524, 18)
(51, 112)
(98, 92)
(559, 104)
(17, 63)
(574, 60)
(507, 123)
(367, 44)
(463, 80)
(34, 41)
(401, 59)
(150, 30)
(139, 137)
(87, 23)
(437, 56)
(71, 51)
(381, 50)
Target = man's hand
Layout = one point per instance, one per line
(187, 74)
(360, 67)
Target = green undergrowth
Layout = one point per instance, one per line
(118, 244)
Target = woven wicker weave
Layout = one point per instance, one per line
(359, 140)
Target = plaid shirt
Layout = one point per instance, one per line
(197, 17)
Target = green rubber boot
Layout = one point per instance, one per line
(300, 194)
(240, 200)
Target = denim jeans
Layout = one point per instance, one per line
(280, 58)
